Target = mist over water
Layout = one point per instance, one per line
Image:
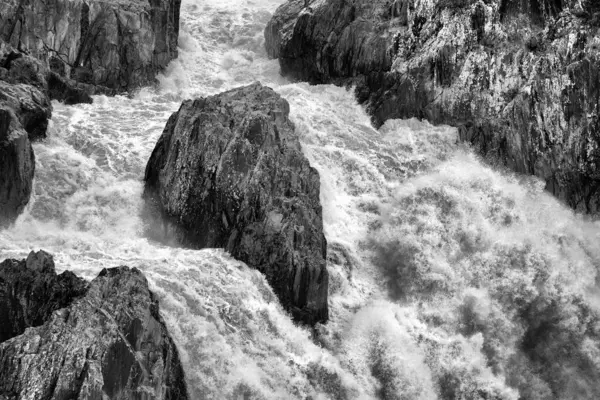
(448, 279)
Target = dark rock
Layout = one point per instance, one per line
(109, 342)
(519, 78)
(66, 91)
(30, 291)
(17, 165)
(228, 172)
(116, 44)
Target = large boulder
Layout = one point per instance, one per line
(228, 171)
(17, 165)
(116, 44)
(519, 78)
(108, 342)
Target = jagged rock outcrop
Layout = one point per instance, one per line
(17, 166)
(116, 44)
(107, 342)
(519, 78)
(30, 291)
(228, 172)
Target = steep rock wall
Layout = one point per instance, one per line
(117, 44)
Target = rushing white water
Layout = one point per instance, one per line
(448, 279)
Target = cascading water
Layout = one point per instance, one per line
(448, 279)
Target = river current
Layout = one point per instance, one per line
(448, 278)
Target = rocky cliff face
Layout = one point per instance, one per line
(116, 44)
(519, 78)
(228, 172)
(103, 340)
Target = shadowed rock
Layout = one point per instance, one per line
(109, 342)
(17, 165)
(228, 172)
(518, 78)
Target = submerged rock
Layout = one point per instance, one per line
(117, 44)
(228, 171)
(17, 165)
(108, 341)
(518, 78)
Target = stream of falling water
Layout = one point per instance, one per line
(448, 279)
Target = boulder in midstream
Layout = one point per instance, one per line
(228, 171)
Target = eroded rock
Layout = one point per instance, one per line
(109, 342)
(228, 171)
(518, 78)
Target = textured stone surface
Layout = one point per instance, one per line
(30, 291)
(519, 78)
(17, 165)
(113, 43)
(110, 343)
(31, 106)
(228, 172)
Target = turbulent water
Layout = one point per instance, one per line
(449, 279)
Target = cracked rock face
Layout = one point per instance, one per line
(519, 78)
(115, 44)
(228, 172)
(105, 340)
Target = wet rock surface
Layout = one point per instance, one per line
(228, 171)
(17, 166)
(115, 44)
(518, 78)
(105, 339)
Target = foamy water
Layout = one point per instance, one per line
(448, 279)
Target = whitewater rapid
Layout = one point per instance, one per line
(435, 258)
